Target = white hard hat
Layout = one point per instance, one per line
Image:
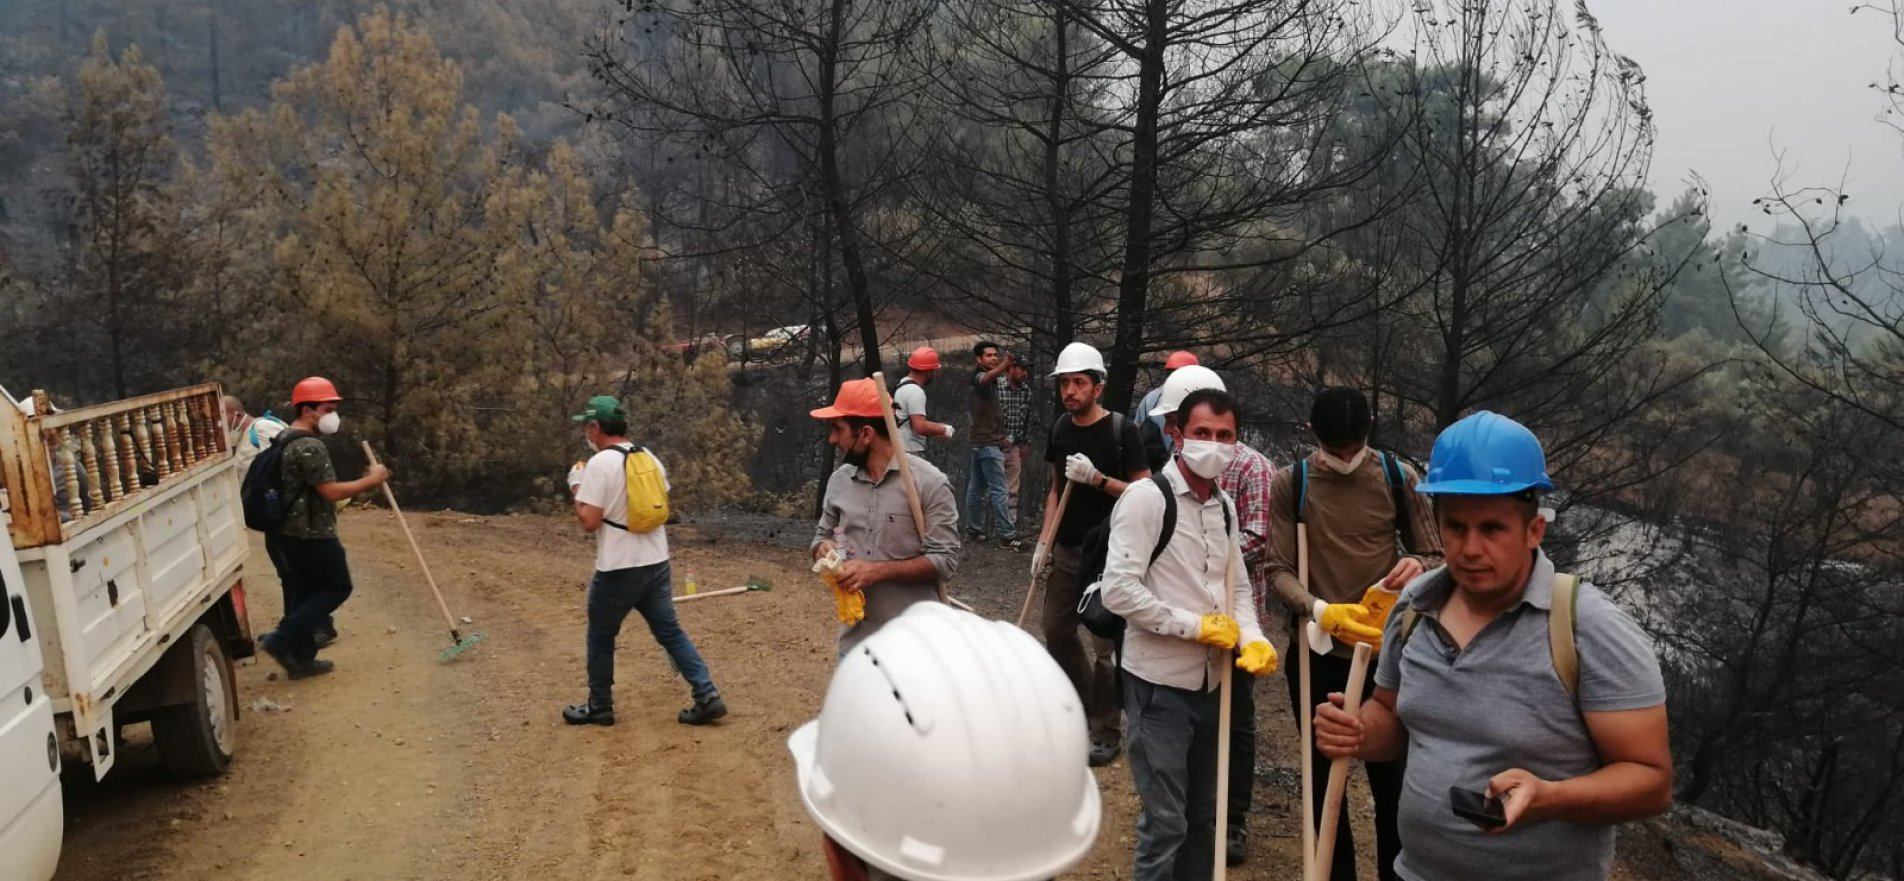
(1180, 383)
(1079, 358)
(951, 748)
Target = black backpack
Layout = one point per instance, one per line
(261, 494)
(1095, 551)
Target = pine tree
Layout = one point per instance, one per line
(120, 156)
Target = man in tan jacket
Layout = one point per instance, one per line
(1369, 534)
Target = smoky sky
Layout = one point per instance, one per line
(1732, 81)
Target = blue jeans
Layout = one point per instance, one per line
(985, 485)
(1173, 736)
(650, 591)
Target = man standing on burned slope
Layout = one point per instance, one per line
(1100, 452)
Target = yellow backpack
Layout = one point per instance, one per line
(647, 491)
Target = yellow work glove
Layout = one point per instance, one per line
(1218, 630)
(1378, 601)
(1344, 621)
(1257, 659)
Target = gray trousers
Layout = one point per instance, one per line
(1173, 735)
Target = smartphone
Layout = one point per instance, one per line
(1477, 808)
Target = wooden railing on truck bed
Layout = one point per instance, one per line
(67, 471)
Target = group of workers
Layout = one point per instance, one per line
(1515, 713)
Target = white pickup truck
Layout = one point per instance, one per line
(122, 599)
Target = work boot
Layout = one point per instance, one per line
(324, 636)
(703, 711)
(1236, 852)
(583, 714)
(273, 645)
(1104, 753)
(312, 668)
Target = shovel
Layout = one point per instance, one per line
(458, 642)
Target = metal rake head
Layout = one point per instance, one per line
(463, 644)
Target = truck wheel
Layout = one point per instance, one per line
(196, 739)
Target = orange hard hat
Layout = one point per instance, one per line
(314, 390)
(1180, 359)
(923, 358)
(857, 397)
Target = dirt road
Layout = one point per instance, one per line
(397, 766)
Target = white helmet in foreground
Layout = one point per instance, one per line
(951, 748)
(1079, 358)
(1180, 383)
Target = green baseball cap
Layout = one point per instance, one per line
(601, 407)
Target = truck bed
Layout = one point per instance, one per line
(132, 556)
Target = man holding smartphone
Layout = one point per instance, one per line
(1504, 680)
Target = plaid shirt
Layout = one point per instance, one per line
(1247, 483)
(1015, 404)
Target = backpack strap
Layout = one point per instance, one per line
(1169, 528)
(1560, 621)
(1564, 611)
(1117, 437)
(1398, 491)
(1302, 489)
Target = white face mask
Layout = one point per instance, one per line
(593, 447)
(330, 422)
(1207, 459)
(1337, 465)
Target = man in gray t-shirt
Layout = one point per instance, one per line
(1474, 694)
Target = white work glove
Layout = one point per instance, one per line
(949, 430)
(1078, 469)
(575, 475)
(1038, 555)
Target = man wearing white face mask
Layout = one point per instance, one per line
(1369, 535)
(309, 558)
(1246, 481)
(1171, 585)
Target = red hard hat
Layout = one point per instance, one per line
(923, 358)
(314, 390)
(1180, 359)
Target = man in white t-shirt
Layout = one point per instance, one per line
(631, 573)
(909, 402)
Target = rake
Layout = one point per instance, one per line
(458, 642)
(753, 584)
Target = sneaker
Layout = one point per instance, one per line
(1012, 544)
(1236, 852)
(583, 714)
(1104, 753)
(974, 536)
(323, 638)
(704, 711)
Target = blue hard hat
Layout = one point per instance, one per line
(1486, 454)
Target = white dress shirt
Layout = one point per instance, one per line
(1165, 602)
